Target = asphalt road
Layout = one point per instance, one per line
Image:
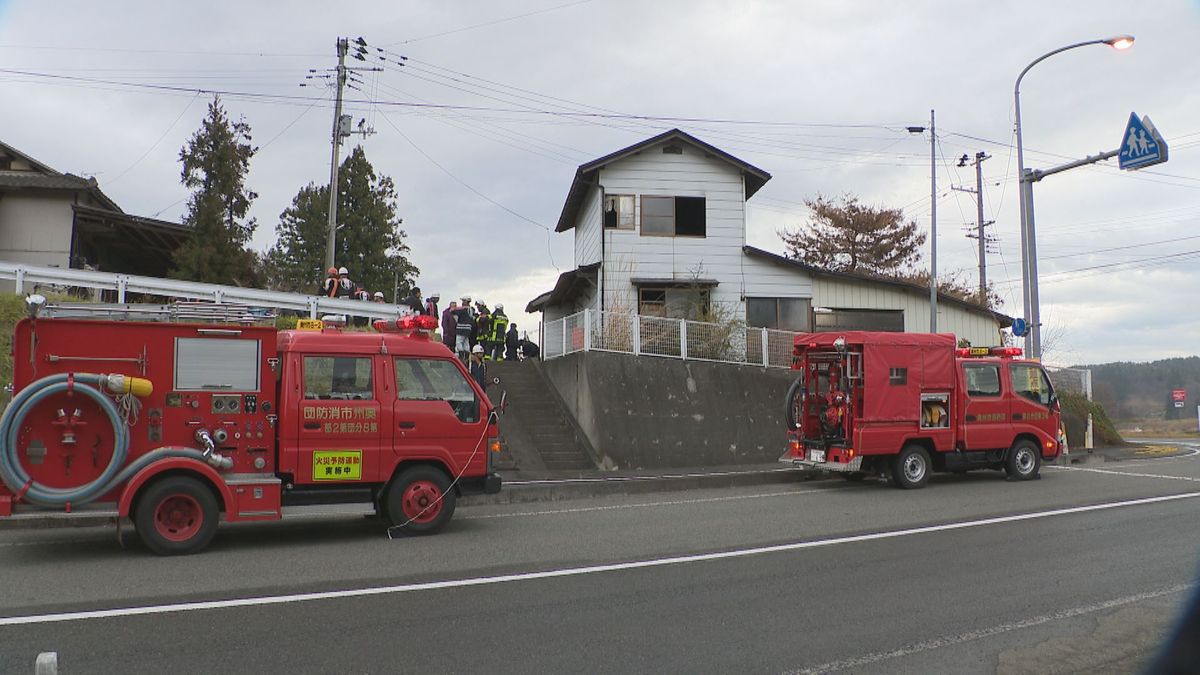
(1081, 571)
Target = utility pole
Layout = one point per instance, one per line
(980, 223)
(343, 46)
(343, 77)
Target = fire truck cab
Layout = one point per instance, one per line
(177, 426)
(904, 405)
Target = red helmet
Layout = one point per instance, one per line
(332, 271)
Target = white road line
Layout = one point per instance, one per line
(616, 507)
(951, 640)
(570, 571)
(1133, 474)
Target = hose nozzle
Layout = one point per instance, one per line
(125, 384)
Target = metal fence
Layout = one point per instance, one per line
(625, 333)
(27, 277)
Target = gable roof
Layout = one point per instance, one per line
(585, 175)
(46, 177)
(907, 286)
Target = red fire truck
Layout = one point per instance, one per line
(903, 405)
(177, 426)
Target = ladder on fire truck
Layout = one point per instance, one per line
(249, 302)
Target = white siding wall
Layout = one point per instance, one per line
(587, 230)
(717, 256)
(36, 229)
(982, 330)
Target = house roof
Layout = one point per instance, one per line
(13, 152)
(566, 288)
(44, 177)
(585, 175)
(906, 286)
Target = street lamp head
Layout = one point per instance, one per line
(1120, 42)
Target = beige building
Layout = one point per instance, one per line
(55, 219)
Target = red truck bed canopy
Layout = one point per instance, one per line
(927, 360)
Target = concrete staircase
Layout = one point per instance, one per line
(538, 431)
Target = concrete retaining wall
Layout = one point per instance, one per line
(647, 413)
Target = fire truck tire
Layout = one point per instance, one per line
(911, 468)
(1024, 461)
(176, 516)
(419, 500)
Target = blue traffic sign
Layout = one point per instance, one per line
(1019, 327)
(1141, 144)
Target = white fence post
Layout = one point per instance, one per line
(683, 339)
(20, 280)
(122, 282)
(564, 336)
(637, 334)
(766, 348)
(587, 330)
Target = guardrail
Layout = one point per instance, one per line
(592, 330)
(26, 277)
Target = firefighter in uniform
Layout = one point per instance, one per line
(329, 288)
(499, 330)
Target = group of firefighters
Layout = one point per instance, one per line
(469, 330)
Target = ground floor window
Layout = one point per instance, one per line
(669, 302)
(832, 318)
(778, 313)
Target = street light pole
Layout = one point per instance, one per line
(933, 317)
(1029, 280)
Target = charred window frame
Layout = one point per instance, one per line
(619, 212)
(674, 216)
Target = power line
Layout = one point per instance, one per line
(156, 142)
(468, 186)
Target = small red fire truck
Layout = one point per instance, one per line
(903, 405)
(176, 426)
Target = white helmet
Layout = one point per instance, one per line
(466, 299)
(499, 305)
(477, 349)
(343, 270)
(379, 294)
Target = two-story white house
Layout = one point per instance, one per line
(660, 230)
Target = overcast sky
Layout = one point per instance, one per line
(817, 93)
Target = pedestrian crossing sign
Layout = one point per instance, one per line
(1141, 144)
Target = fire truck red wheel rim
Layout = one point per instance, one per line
(422, 501)
(178, 517)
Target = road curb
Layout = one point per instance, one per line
(517, 490)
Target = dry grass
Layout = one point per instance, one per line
(1134, 429)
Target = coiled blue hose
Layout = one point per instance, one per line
(16, 477)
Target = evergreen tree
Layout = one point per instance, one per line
(215, 162)
(370, 242)
(851, 237)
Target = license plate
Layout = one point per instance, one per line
(816, 455)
